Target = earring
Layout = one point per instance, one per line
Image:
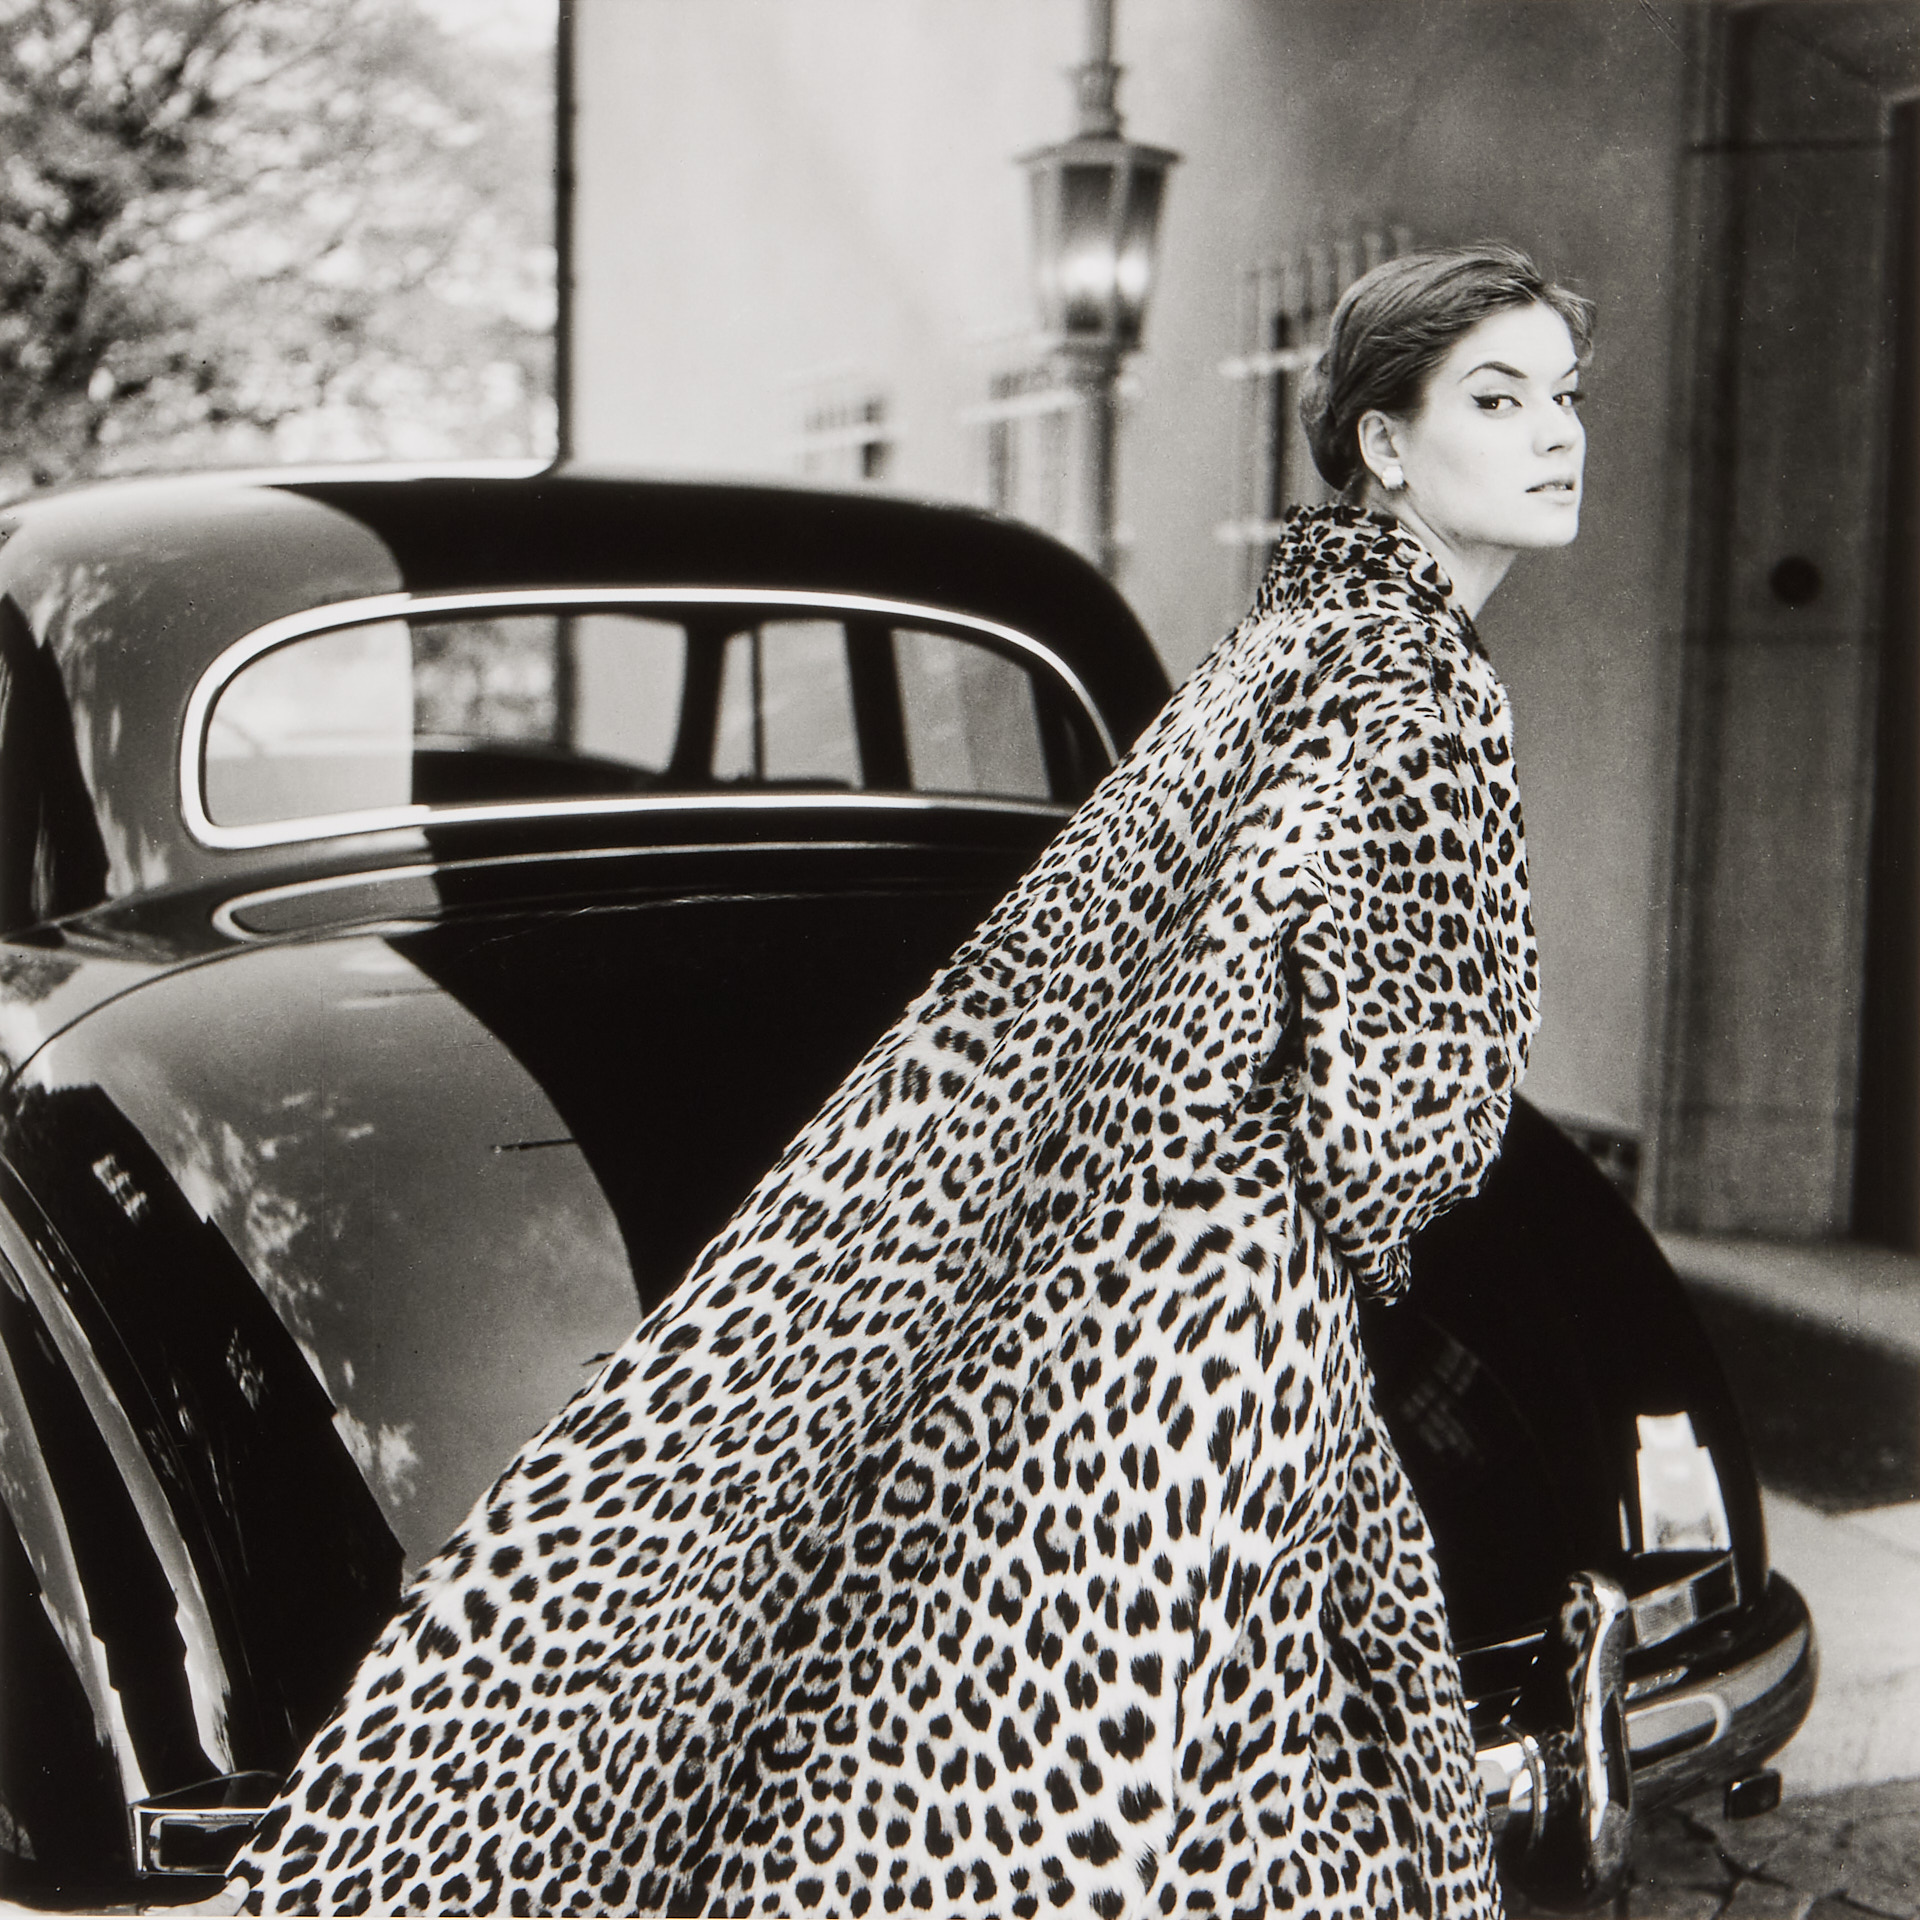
(1393, 476)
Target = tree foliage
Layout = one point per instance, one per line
(264, 229)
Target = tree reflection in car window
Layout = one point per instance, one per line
(488, 679)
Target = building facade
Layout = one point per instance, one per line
(799, 246)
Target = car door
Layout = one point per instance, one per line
(114, 1684)
(168, 1463)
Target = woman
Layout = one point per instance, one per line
(998, 1519)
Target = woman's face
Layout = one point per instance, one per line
(1494, 457)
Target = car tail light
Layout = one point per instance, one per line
(1681, 1507)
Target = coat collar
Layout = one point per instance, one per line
(1337, 556)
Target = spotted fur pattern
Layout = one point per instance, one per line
(998, 1519)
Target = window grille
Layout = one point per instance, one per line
(1026, 439)
(845, 438)
(1281, 326)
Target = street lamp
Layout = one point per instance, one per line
(1096, 218)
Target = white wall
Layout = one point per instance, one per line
(774, 190)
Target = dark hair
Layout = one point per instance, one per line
(1394, 325)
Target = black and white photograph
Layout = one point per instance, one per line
(960, 957)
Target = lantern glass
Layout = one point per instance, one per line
(1086, 250)
(1133, 264)
(1096, 209)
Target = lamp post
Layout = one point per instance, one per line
(1096, 218)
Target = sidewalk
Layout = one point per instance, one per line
(1822, 1348)
(1867, 1294)
(1860, 1573)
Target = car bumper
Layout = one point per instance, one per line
(1723, 1702)
(1727, 1699)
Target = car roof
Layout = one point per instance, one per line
(471, 532)
(487, 526)
(116, 598)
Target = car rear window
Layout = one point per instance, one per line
(465, 706)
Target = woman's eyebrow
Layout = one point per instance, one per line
(1514, 373)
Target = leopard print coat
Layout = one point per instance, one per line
(998, 1519)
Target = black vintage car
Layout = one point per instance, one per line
(407, 887)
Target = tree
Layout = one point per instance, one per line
(258, 229)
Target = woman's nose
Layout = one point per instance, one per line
(1557, 430)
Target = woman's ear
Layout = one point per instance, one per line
(1378, 453)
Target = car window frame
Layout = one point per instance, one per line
(763, 601)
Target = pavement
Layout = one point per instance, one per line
(1831, 1856)
(1860, 1573)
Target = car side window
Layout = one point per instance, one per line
(323, 726)
(786, 707)
(972, 723)
(496, 706)
(625, 680)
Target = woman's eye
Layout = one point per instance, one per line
(1494, 402)
(1570, 400)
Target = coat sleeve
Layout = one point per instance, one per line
(1410, 976)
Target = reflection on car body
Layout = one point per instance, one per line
(431, 902)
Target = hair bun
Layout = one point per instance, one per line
(1335, 454)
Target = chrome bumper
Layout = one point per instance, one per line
(1707, 1720)
(1687, 1727)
